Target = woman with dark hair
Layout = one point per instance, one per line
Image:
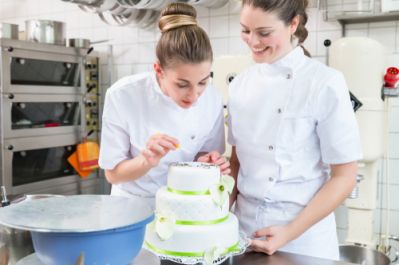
(294, 135)
(171, 114)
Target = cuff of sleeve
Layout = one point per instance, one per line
(109, 165)
(343, 159)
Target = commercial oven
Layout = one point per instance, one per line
(50, 100)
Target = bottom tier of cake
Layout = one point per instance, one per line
(194, 240)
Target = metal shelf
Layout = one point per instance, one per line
(351, 19)
(354, 19)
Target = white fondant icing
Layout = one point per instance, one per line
(192, 176)
(189, 207)
(197, 238)
(181, 201)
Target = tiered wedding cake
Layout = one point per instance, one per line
(192, 213)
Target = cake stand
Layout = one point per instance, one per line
(240, 249)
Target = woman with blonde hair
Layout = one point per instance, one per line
(171, 114)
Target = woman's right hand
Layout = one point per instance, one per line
(276, 237)
(158, 145)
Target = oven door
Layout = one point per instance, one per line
(34, 115)
(41, 72)
(38, 162)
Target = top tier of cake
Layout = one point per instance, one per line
(192, 177)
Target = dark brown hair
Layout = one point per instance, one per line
(286, 10)
(182, 40)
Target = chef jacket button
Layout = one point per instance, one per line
(192, 137)
(271, 179)
(271, 147)
(279, 110)
(289, 76)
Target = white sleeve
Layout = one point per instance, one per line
(230, 103)
(336, 123)
(216, 139)
(230, 137)
(115, 140)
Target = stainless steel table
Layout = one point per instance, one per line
(251, 258)
(279, 258)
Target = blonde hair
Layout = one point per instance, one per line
(182, 40)
(169, 22)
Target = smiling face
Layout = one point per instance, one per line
(184, 83)
(268, 37)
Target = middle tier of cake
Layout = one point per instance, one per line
(190, 209)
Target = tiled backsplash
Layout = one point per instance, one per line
(133, 51)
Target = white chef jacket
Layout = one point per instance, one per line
(135, 108)
(288, 121)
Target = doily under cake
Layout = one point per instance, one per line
(240, 249)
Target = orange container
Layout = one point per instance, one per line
(88, 154)
(73, 160)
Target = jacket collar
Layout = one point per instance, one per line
(288, 64)
(293, 60)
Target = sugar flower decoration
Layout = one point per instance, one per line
(220, 192)
(164, 225)
(213, 254)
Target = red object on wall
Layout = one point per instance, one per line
(391, 78)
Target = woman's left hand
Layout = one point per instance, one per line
(216, 158)
(276, 237)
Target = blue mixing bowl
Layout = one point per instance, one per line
(107, 230)
(115, 246)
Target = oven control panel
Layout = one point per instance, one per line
(92, 95)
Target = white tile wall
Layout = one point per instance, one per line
(394, 124)
(381, 217)
(386, 36)
(393, 60)
(394, 171)
(356, 33)
(219, 26)
(134, 52)
(332, 35)
(394, 144)
(393, 191)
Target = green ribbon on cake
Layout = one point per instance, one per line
(233, 248)
(184, 192)
(211, 222)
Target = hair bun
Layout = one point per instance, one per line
(177, 15)
(169, 22)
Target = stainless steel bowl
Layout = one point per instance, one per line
(362, 255)
(9, 31)
(45, 31)
(15, 243)
(79, 43)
